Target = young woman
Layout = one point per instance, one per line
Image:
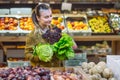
(42, 17)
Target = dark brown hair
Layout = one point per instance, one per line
(37, 11)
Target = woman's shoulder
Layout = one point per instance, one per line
(31, 33)
(31, 36)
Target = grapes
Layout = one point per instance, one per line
(52, 35)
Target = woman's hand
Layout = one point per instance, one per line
(29, 56)
(36, 58)
(74, 46)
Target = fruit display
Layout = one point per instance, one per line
(8, 23)
(58, 21)
(26, 23)
(98, 71)
(99, 24)
(77, 23)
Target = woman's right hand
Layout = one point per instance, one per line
(32, 57)
(36, 58)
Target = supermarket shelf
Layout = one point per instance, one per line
(100, 55)
(76, 38)
(12, 38)
(16, 16)
(115, 40)
(98, 38)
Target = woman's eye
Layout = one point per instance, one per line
(48, 16)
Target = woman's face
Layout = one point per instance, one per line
(45, 18)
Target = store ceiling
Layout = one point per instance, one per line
(36, 1)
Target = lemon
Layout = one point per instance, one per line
(60, 19)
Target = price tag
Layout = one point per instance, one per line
(66, 6)
(17, 1)
(30, 1)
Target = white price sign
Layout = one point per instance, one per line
(66, 6)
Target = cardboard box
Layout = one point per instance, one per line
(113, 62)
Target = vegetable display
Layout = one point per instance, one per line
(98, 71)
(25, 73)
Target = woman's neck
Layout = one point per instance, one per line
(43, 27)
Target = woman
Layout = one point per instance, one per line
(42, 17)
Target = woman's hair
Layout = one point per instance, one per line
(37, 11)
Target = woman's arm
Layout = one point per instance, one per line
(29, 48)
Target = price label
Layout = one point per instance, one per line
(66, 6)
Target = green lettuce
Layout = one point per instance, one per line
(63, 48)
(44, 52)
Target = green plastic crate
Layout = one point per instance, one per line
(12, 64)
(74, 62)
(80, 56)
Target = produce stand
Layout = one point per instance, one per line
(56, 73)
(13, 41)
